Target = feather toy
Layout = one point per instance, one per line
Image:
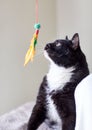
(31, 51)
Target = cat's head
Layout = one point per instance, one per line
(64, 52)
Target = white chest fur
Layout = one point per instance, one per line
(53, 115)
(58, 77)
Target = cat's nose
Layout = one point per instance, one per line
(47, 46)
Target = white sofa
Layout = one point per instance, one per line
(83, 99)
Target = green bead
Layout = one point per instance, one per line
(37, 26)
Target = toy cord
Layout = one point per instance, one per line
(36, 11)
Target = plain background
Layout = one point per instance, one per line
(58, 18)
(19, 84)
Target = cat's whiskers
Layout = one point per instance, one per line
(40, 53)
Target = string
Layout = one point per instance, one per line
(36, 10)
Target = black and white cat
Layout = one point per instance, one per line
(55, 101)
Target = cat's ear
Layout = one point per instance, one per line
(75, 41)
(66, 38)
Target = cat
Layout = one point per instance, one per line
(55, 103)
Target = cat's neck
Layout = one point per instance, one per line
(55, 69)
(58, 76)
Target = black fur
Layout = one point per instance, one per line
(66, 53)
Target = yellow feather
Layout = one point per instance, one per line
(30, 53)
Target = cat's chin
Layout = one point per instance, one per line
(47, 56)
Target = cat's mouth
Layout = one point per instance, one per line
(47, 47)
(46, 52)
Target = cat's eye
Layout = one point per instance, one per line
(58, 44)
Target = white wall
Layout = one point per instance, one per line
(76, 16)
(17, 17)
